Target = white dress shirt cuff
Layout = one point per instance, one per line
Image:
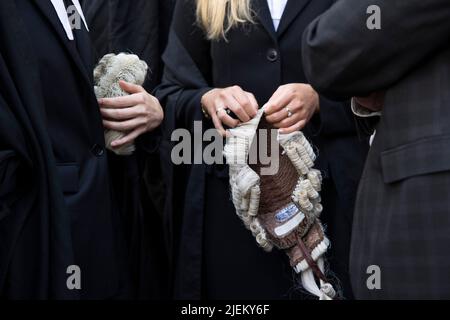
(362, 112)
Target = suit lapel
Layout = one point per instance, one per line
(49, 12)
(293, 9)
(262, 11)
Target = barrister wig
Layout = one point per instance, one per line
(281, 209)
(110, 70)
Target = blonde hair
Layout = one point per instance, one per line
(217, 17)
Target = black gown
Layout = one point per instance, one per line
(56, 196)
(234, 266)
(215, 256)
(137, 27)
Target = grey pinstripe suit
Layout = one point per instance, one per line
(402, 218)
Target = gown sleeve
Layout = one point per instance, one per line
(187, 73)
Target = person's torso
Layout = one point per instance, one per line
(75, 129)
(74, 121)
(260, 59)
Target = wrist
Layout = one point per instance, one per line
(317, 99)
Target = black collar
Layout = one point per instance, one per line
(49, 12)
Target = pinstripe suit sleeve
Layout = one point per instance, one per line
(343, 58)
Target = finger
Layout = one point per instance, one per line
(241, 97)
(279, 100)
(122, 114)
(124, 126)
(226, 119)
(130, 87)
(279, 116)
(129, 138)
(222, 116)
(122, 102)
(218, 125)
(288, 122)
(296, 127)
(236, 107)
(269, 110)
(253, 102)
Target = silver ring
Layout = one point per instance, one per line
(227, 111)
(289, 112)
(219, 109)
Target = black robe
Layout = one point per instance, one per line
(29, 185)
(56, 196)
(138, 27)
(259, 59)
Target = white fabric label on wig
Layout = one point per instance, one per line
(286, 213)
(289, 226)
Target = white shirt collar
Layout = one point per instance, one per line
(277, 8)
(61, 11)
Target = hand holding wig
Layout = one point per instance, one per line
(110, 70)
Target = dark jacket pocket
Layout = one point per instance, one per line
(425, 156)
(69, 177)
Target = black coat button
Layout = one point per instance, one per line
(272, 55)
(98, 150)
